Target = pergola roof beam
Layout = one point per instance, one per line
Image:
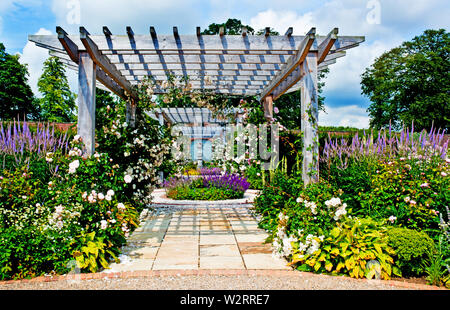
(69, 46)
(210, 43)
(175, 33)
(291, 64)
(153, 33)
(106, 31)
(72, 51)
(130, 32)
(104, 63)
(218, 59)
(289, 32)
(327, 44)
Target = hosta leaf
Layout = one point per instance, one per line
(335, 232)
(378, 248)
(335, 251)
(311, 262)
(396, 271)
(339, 266)
(317, 266)
(322, 257)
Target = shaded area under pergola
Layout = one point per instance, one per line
(264, 65)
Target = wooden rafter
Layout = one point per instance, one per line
(72, 51)
(104, 63)
(291, 65)
(326, 45)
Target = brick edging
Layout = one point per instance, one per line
(206, 272)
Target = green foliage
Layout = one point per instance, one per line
(354, 180)
(412, 248)
(412, 190)
(273, 198)
(347, 250)
(58, 102)
(436, 267)
(231, 27)
(91, 253)
(410, 83)
(31, 252)
(210, 193)
(16, 96)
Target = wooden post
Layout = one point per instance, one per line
(310, 118)
(86, 101)
(268, 107)
(131, 113)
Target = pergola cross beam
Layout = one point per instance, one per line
(293, 62)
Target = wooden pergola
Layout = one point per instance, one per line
(264, 65)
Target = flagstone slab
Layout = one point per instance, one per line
(221, 262)
(206, 239)
(252, 237)
(255, 248)
(219, 250)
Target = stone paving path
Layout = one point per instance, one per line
(199, 237)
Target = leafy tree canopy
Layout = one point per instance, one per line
(231, 27)
(411, 83)
(16, 96)
(58, 102)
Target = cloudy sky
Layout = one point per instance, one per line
(384, 23)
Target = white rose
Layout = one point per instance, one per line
(128, 179)
(103, 224)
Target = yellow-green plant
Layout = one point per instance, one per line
(348, 249)
(92, 252)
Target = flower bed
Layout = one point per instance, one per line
(379, 210)
(209, 186)
(60, 209)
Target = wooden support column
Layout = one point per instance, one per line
(86, 101)
(268, 107)
(131, 113)
(310, 118)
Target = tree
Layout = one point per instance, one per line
(410, 83)
(16, 96)
(231, 27)
(58, 102)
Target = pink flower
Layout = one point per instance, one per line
(275, 110)
(424, 185)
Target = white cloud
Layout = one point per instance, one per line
(352, 116)
(34, 57)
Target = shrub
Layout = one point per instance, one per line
(273, 198)
(411, 248)
(414, 191)
(347, 250)
(31, 252)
